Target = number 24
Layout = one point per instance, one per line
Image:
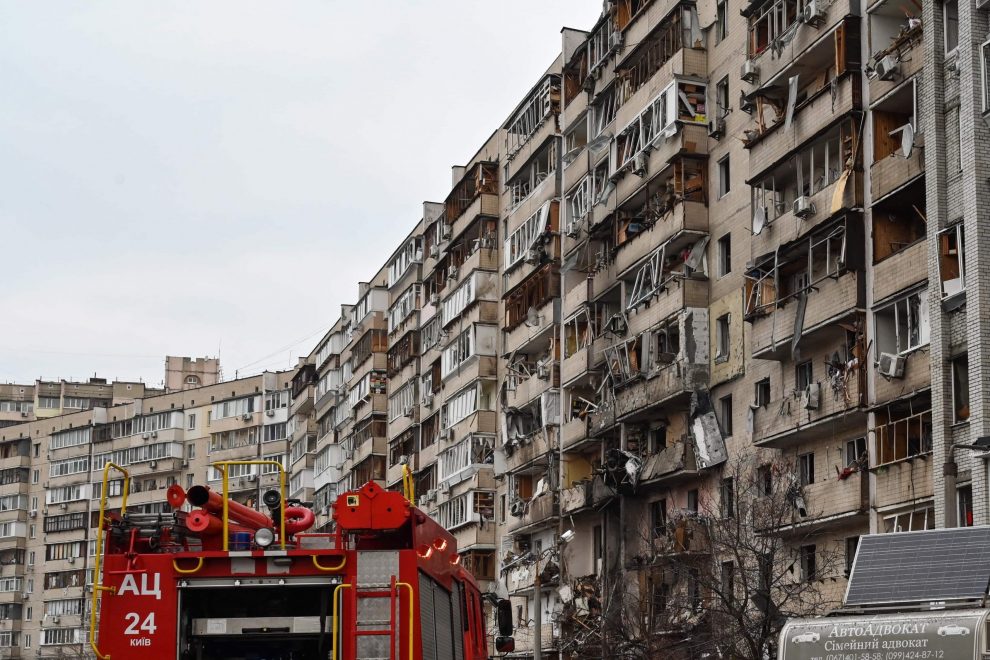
(147, 626)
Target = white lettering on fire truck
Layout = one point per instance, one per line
(130, 585)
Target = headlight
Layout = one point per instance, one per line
(264, 537)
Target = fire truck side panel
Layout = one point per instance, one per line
(141, 613)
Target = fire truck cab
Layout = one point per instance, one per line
(224, 581)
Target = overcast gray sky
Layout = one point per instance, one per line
(188, 177)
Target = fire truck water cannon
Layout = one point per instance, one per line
(380, 580)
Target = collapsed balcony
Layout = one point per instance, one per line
(805, 289)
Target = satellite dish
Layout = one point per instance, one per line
(759, 219)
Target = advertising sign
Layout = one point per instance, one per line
(943, 635)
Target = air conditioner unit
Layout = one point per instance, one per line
(434, 299)
(145, 436)
(573, 229)
(426, 497)
(444, 487)
(54, 619)
(640, 163)
(354, 413)
(716, 129)
(812, 396)
(154, 434)
(407, 411)
(63, 506)
(153, 464)
(886, 67)
(533, 256)
(517, 508)
(803, 207)
(270, 413)
(444, 233)
(252, 477)
(891, 365)
(543, 371)
(185, 463)
(33, 513)
(24, 414)
(446, 434)
(246, 417)
(348, 454)
(434, 251)
(813, 14)
(746, 104)
(71, 560)
(615, 40)
(452, 273)
(750, 72)
(428, 400)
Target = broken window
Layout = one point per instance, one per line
(627, 10)
(653, 52)
(578, 204)
(806, 468)
(403, 352)
(725, 255)
(965, 497)
(960, 388)
(902, 326)
(623, 361)
(603, 111)
(950, 23)
(727, 492)
(578, 333)
(482, 179)
(761, 395)
(828, 255)
(658, 518)
(803, 377)
(760, 290)
(665, 344)
(722, 98)
(535, 291)
(538, 169)
(600, 44)
(721, 21)
(911, 521)
(768, 24)
(809, 562)
(722, 338)
(575, 75)
(899, 222)
(724, 177)
(692, 500)
(404, 306)
(410, 253)
(521, 243)
(952, 260)
(903, 430)
(856, 452)
(725, 415)
(895, 124)
(541, 103)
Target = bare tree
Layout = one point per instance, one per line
(716, 583)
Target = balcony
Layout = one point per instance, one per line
(674, 463)
(811, 118)
(895, 171)
(484, 205)
(681, 294)
(533, 454)
(834, 300)
(645, 397)
(917, 377)
(527, 390)
(787, 420)
(523, 334)
(906, 48)
(900, 270)
(690, 139)
(574, 367)
(15, 462)
(689, 62)
(787, 227)
(904, 482)
(688, 219)
(539, 513)
(575, 298)
(574, 435)
(772, 63)
(835, 501)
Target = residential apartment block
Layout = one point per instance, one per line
(712, 236)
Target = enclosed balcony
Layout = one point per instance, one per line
(538, 513)
(897, 51)
(476, 195)
(820, 283)
(531, 452)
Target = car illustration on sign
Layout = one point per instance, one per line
(952, 631)
(806, 637)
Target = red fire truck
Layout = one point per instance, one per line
(227, 581)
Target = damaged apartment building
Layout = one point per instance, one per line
(710, 231)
